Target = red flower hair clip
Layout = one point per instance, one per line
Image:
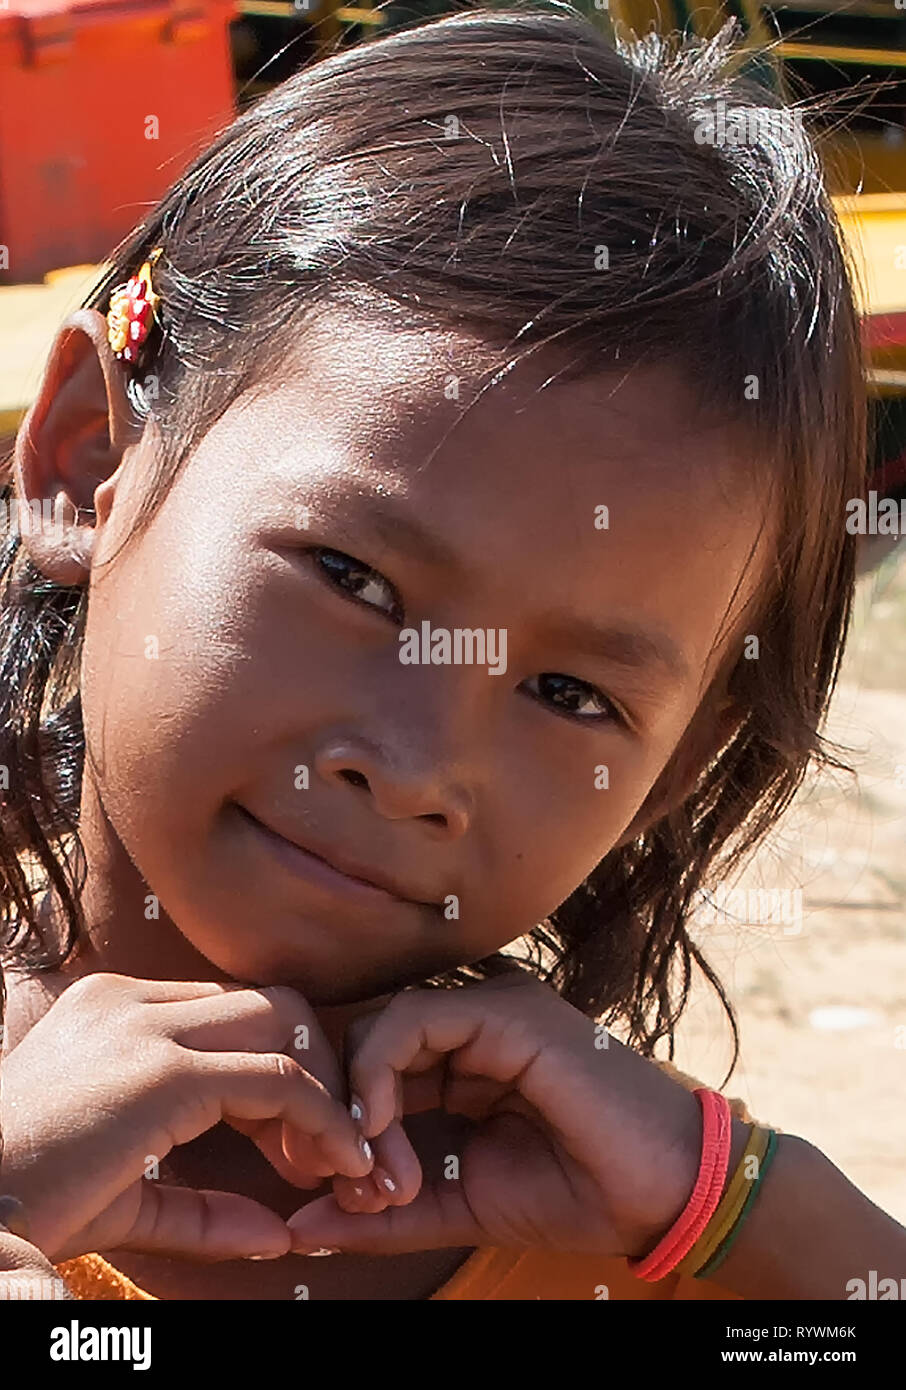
(132, 312)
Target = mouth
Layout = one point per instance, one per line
(331, 874)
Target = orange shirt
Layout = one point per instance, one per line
(487, 1274)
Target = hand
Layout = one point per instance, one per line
(120, 1071)
(575, 1146)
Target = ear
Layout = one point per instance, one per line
(715, 722)
(69, 448)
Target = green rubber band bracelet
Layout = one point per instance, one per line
(724, 1250)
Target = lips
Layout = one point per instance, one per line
(331, 869)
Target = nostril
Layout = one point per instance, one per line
(357, 779)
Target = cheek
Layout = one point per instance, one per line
(197, 677)
(162, 646)
(563, 811)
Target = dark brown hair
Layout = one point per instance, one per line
(469, 171)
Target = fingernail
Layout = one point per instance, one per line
(312, 1253)
(357, 1109)
(388, 1183)
(366, 1149)
(359, 1191)
(273, 1255)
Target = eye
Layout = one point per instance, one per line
(572, 697)
(358, 580)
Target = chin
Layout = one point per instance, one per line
(325, 966)
(322, 984)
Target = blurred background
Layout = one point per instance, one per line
(104, 102)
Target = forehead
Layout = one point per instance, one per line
(398, 401)
(610, 490)
(430, 412)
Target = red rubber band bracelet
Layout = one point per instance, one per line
(706, 1194)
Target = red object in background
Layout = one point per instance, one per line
(883, 332)
(103, 103)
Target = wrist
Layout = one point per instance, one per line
(681, 1171)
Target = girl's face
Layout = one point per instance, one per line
(243, 662)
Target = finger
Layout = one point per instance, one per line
(308, 1158)
(443, 1088)
(273, 1018)
(438, 1217)
(415, 1093)
(419, 1027)
(203, 1225)
(269, 1086)
(303, 1165)
(358, 1028)
(422, 1090)
(476, 1097)
(394, 1180)
(171, 991)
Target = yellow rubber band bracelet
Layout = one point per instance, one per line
(731, 1204)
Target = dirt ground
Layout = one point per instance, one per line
(821, 998)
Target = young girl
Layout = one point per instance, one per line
(448, 555)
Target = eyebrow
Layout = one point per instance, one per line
(626, 645)
(403, 532)
(634, 648)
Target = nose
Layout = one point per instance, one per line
(398, 786)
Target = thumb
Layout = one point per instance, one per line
(195, 1224)
(438, 1218)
